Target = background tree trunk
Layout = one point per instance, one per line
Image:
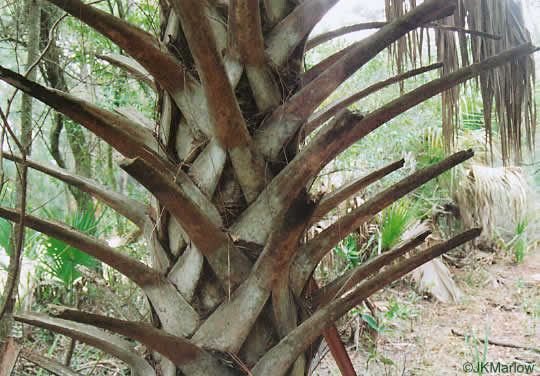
(53, 73)
(31, 11)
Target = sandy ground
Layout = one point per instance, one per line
(497, 294)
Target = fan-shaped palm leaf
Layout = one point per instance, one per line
(60, 259)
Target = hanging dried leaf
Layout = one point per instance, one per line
(508, 91)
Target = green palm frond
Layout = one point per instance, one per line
(393, 223)
(5, 233)
(60, 259)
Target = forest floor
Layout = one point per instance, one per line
(499, 298)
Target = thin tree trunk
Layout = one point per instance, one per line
(32, 9)
(55, 77)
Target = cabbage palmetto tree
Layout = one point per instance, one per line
(231, 275)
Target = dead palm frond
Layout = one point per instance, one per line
(408, 49)
(493, 197)
(435, 278)
(508, 91)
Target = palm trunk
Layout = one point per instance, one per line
(230, 264)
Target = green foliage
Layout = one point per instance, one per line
(372, 322)
(393, 223)
(431, 149)
(478, 359)
(472, 109)
(396, 310)
(5, 232)
(5, 225)
(144, 14)
(60, 259)
(473, 119)
(401, 310)
(519, 243)
(348, 250)
(374, 355)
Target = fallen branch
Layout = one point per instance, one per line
(499, 343)
(50, 365)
